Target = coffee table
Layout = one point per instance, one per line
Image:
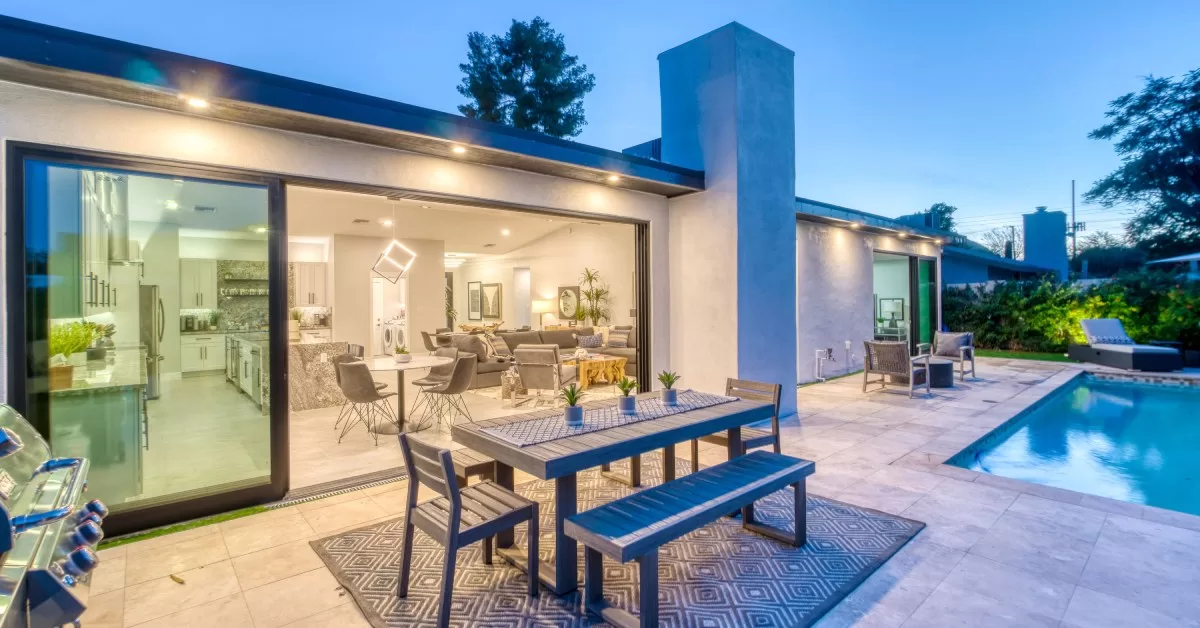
(596, 368)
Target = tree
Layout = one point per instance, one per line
(1100, 240)
(942, 216)
(525, 79)
(996, 240)
(1156, 132)
(1106, 255)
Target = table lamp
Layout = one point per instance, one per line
(542, 308)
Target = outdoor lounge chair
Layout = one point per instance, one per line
(891, 359)
(1109, 345)
(957, 347)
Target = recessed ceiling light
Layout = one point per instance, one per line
(172, 204)
(386, 222)
(458, 150)
(177, 181)
(938, 241)
(505, 232)
(197, 103)
(612, 178)
(260, 230)
(903, 235)
(424, 207)
(855, 225)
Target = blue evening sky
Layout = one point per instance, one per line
(899, 105)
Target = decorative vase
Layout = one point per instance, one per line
(401, 358)
(573, 416)
(627, 404)
(670, 396)
(61, 377)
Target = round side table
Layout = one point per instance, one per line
(941, 373)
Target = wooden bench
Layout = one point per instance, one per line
(634, 527)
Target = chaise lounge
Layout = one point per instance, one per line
(1109, 345)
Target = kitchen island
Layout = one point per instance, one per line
(248, 366)
(312, 381)
(103, 417)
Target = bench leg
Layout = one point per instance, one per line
(593, 578)
(534, 558)
(648, 587)
(695, 455)
(801, 514)
(797, 538)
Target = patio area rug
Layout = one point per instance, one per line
(719, 576)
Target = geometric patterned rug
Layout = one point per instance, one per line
(718, 576)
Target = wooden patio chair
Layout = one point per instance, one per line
(459, 517)
(752, 437)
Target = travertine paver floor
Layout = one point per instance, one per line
(996, 552)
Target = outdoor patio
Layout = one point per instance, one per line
(993, 552)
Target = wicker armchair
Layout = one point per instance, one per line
(892, 359)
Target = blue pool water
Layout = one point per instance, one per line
(1130, 441)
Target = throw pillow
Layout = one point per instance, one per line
(594, 341)
(499, 347)
(948, 345)
(618, 338)
(1112, 340)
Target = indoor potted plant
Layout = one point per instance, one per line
(402, 355)
(670, 396)
(573, 413)
(626, 403)
(67, 340)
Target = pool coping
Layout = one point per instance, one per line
(1146, 512)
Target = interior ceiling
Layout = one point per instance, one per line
(315, 212)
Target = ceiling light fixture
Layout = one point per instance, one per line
(937, 241)
(386, 222)
(396, 259)
(458, 150)
(424, 207)
(196, 103)
(855, 225)
(612, 178)
(260, 230)
(505, 232)
(902, 235)
(177, 181)
(172, 205)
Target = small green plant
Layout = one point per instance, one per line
(572, 395)
(626, 386)
(297, 315)
(71, 338)
(402, 350)
(668, 379)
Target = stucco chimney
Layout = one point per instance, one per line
(1046, 240)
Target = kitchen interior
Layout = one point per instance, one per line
(164, 283)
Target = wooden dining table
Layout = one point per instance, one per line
(561, 459)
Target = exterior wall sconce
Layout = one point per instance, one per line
(394, 262)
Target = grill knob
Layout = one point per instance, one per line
(88, 533)
(79, 562)
(85, 516)
(97, 508)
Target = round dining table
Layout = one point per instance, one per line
(380, 365)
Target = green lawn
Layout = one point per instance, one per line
(1022, 355)
(180, 527)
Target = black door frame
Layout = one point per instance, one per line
(913, 306)
(24, 327)
(17, 152)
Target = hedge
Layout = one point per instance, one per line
(1043, 315)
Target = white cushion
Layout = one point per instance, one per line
(1136, 349)
(1105, 331)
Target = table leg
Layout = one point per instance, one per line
(668, 463)
(400, 399)
(504, 478)
(734, 436)
(566, 562)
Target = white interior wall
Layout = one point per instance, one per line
(835, 287)
(890, 281)
(222, 248)
(557, 260)
(46, 116)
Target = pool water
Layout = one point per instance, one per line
(1125, 440)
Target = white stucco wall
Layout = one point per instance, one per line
(48, 117)
(834, 288)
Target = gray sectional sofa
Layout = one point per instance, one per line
(565, 339)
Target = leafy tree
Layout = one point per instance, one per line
(1100, 240)
(1106, 255)
(996, 241)
(525, 79)
(942, 216)
(1157, 134)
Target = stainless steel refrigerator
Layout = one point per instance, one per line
(152, 319)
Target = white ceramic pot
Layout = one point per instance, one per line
(401, 358)
(627, 404)
(573, 416)
(670, 396)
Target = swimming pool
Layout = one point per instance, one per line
(1127, 440)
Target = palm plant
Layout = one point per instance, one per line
(572, 395)
(626, 386)
(595, 295)
(668, 379)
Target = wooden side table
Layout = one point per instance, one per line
(594, 369)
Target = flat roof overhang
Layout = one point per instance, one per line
(856, 220)
(70, 61)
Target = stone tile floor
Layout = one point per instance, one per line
(996, 552)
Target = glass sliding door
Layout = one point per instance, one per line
(893, 297)
(146, 323)
(926, 299)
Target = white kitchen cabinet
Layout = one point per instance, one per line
(198, 283)
(202, 352)
(310, 284)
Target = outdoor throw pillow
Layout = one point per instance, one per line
(948, 345)
(499, 347)
(618, 338)
(1112, 340)
(594, 341)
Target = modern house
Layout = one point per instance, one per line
(141, 186)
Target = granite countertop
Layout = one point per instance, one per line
(128, 371)
(253, 337)
(207, 332)
(314, 327)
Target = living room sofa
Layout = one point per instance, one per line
(487, 367)
(565, 339)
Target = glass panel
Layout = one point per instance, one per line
(147, 324)
(892, 305)
(926, 300)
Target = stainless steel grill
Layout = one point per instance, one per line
(48, 530)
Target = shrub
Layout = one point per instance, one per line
(1042, 315)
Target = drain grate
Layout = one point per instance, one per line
(337, 487)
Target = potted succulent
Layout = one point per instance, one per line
(573, 413)
(626, 403)
(402, 355)
(65, 341)
(670, 396)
